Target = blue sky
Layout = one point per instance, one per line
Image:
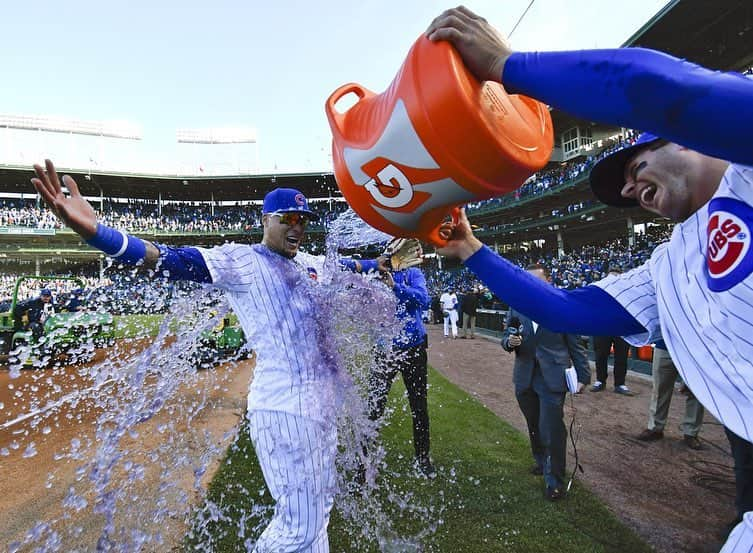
(268, 65)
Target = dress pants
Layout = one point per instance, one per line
(602, 346)
(664, 374)
(469, 322)
(411, 363)
(543, 410)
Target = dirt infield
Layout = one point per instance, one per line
(663, 490)
(677, 499)
(24, 496)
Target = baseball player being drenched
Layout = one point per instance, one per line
(269, 286)
(692, 165)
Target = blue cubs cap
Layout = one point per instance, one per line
(286, 200)
(45, 292)
(608, 175)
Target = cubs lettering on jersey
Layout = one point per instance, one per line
(729, 257)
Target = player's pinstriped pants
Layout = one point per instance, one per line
(297, 457)
(741, 538)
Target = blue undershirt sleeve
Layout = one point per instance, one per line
(184, 263)
(367, 265)
(707, 111)
(589, 310)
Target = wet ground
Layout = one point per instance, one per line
(24, 496)
(675, 498)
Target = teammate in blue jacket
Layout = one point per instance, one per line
(692, 165)
(407, 355)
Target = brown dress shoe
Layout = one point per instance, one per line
(650, 435)
(692, 442)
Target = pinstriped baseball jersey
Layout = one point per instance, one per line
(696, 292)
(274, 301)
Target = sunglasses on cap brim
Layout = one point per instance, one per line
(291, 218)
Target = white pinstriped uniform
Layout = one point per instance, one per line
(291, 399)
(449, 303)
(741, 538)
(696, 292)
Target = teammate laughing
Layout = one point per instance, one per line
(693, 166)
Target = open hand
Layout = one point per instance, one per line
(73, 210)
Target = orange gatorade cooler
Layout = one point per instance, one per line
(434, 140)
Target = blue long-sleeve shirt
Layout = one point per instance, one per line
(705, 110)
(413, 298)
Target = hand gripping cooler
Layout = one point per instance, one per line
(434, 140)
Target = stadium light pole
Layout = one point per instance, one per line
(220, 135)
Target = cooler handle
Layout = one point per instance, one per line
(336, 118)
(434, 238)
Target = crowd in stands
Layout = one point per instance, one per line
(547, 179)
(195, 217)
(574, 269)
(30, 288)
(119, 293)
(144, 216)
(18, 213)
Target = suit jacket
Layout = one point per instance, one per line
(552, 351)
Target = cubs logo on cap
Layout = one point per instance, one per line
(283, 200)
(729, 259)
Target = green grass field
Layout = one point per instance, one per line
(492, 502)
(134, 326)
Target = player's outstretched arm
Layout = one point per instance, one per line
(184, 263)
(589, 311)
(79, 216)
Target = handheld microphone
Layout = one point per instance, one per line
(515, 327)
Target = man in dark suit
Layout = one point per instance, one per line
(541, 357)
